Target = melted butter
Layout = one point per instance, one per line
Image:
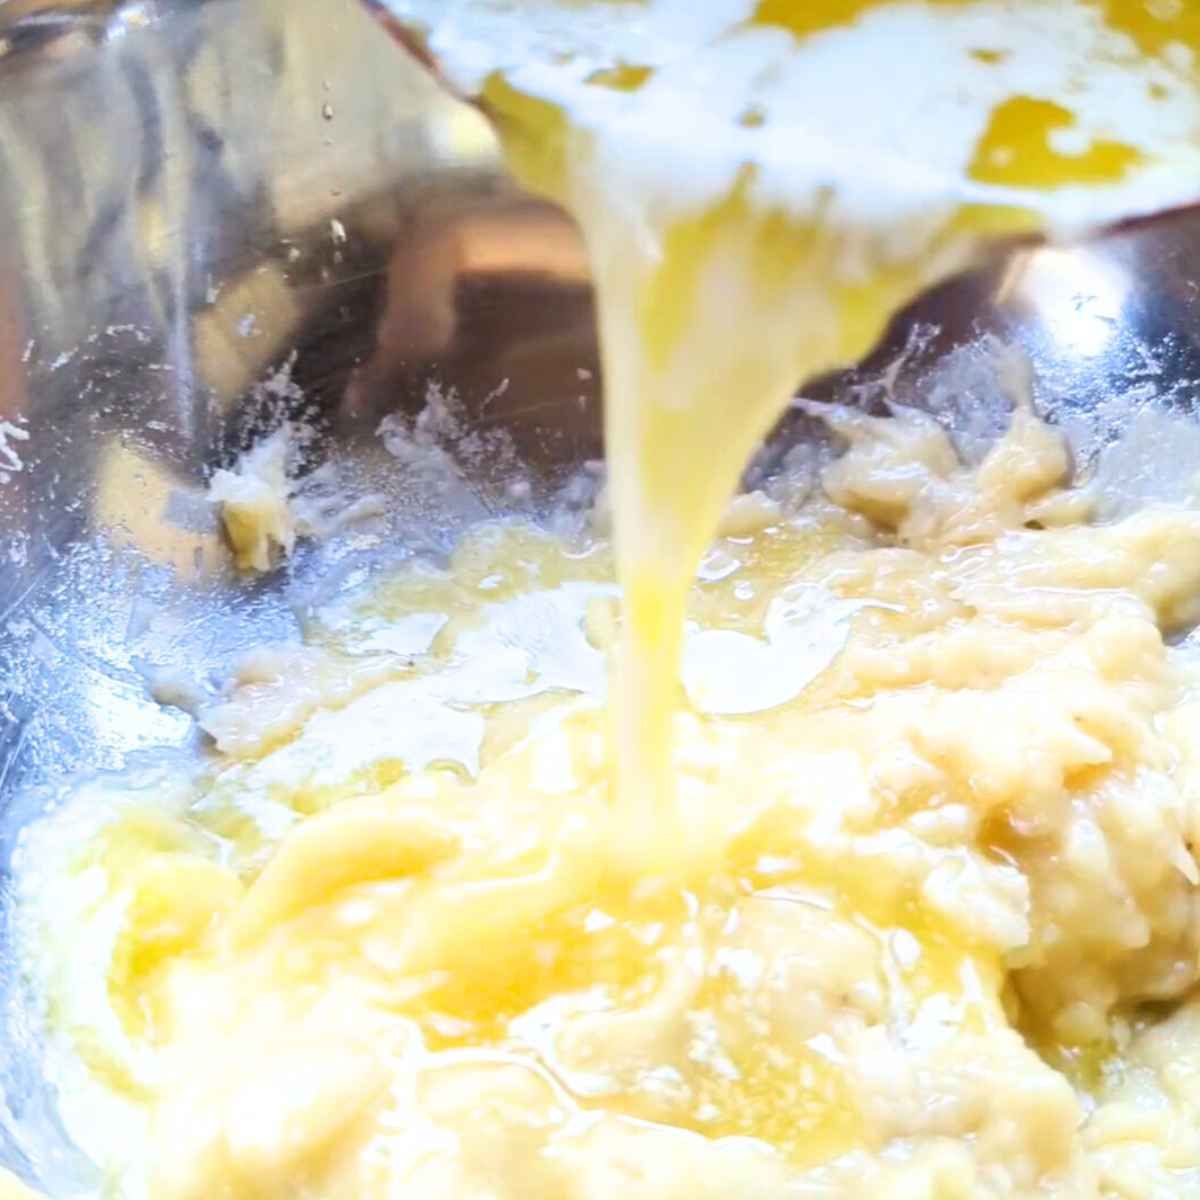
(1017, 151)
(768, 273)
(1153, 26)
(803, 20)
(623, 77)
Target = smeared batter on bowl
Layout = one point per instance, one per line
(938, 780)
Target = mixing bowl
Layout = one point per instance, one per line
(221, 215)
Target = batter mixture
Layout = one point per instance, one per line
(881, 882)
(935, 924)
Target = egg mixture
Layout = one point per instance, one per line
(870, 873)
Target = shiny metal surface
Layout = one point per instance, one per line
(218, 214)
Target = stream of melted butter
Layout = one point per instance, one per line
(764, 192)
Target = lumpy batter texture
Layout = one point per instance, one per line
(933, 932)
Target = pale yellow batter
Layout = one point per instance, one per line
(935, 881)
(899, 900)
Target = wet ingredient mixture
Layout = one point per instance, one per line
(934, 926)
(880, 882)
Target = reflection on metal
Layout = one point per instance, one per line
(217, 213)
(1077, 294)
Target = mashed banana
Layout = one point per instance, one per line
(935, 926)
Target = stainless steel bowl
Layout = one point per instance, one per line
(220, 214)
